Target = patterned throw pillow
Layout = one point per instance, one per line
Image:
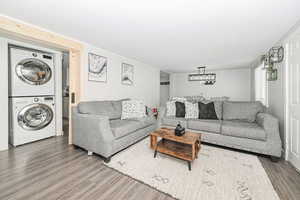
(191, 110)
(178, 99)
(133, 109)
(171, 109)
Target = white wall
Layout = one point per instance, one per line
(276, 95)
(145, 87)
(234, 83)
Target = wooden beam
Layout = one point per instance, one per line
(28, 32)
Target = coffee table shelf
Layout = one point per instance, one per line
(184, 147)
(179, 150)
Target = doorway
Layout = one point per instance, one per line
(164, 88)
(65, 92)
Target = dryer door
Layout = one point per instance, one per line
(33, 71)
(35, 117)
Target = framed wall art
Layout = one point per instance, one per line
(127, 74)
(97, 68)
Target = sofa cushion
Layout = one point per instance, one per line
(171, 108)
(179, 99)
(133, 109)
(147, 121)
(205, 125)
(121, 128)
(243, 130)
(118, 106)
(194, 99)
(207, 110)
(191, 110)
(219, 109)
(98, 108)
(243, 111)
(173, 121)
(223, 98)
(180, 109)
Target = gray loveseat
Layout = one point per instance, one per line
(240, 125)
(97, 127)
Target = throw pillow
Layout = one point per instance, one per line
(179, 99)
(180, 109)
(133, 109)
(171, 109)
(207, 111)
(191, 110)
(218, 107)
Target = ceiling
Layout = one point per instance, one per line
(170, 34)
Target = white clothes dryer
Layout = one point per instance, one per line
(31, 72)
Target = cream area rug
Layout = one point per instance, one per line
(216, 174)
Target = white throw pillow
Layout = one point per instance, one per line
(171, 109)
(191, 110)
(133, 109)
(179, 99)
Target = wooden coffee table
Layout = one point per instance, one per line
(184, 147)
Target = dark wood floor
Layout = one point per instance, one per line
(50, 169)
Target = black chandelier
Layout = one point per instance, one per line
(207, 78)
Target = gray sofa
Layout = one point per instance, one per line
(240, 125)
(97, 127)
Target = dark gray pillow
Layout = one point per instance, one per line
(207, 111)
(180, 109)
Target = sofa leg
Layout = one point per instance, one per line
(90, 153)
(274, 158)
(107, 160)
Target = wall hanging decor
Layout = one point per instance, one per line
(202, 76)
(272, 74)
(97, 68)
(127, 74)
(274, 55)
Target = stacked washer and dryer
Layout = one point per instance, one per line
(32, 95)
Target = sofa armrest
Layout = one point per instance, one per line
(91, 128)
(271, 126)
(268, 122)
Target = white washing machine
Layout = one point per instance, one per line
(31, 72)
(31, 119)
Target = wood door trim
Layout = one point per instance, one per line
(29, 32)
